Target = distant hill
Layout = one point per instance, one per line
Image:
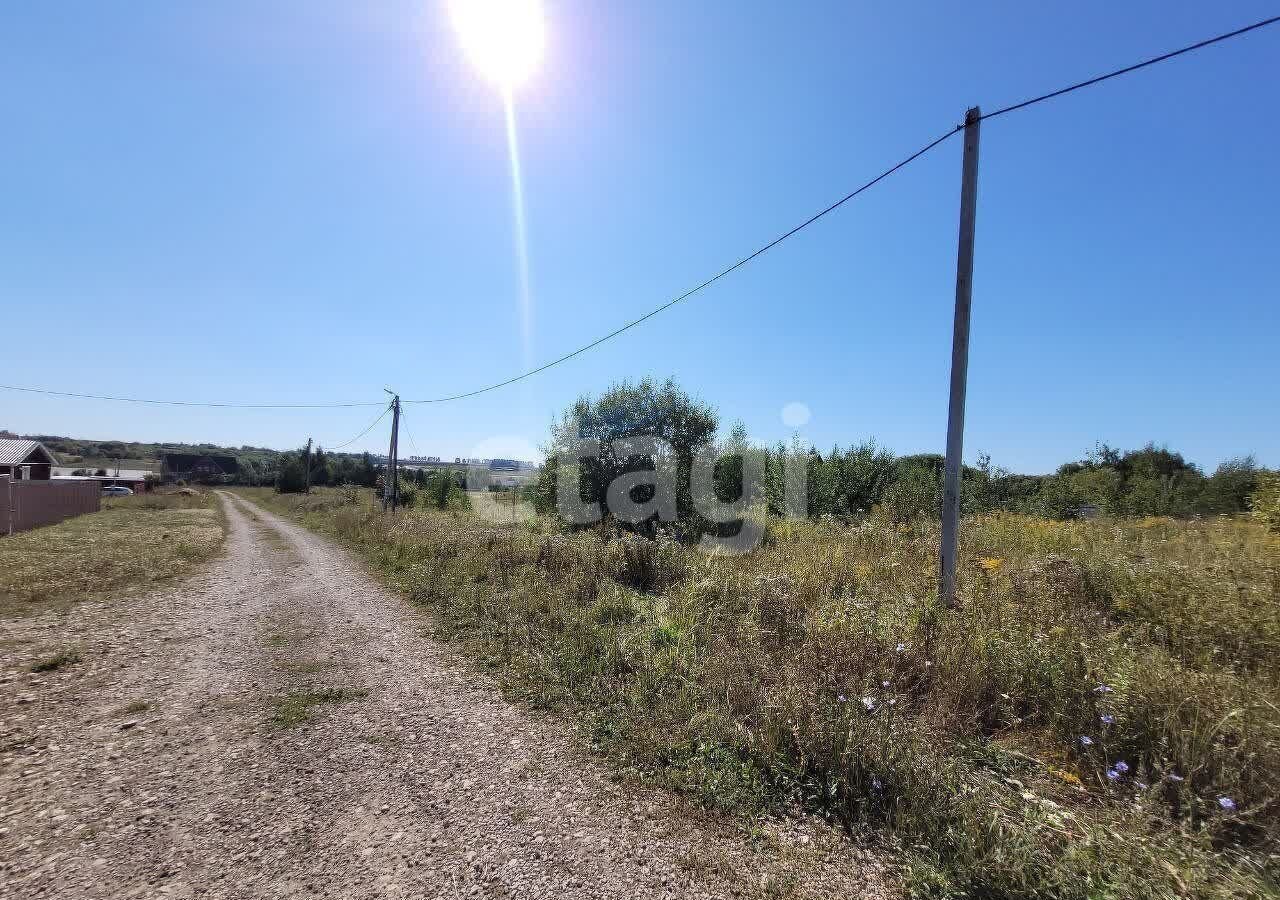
(142, 455)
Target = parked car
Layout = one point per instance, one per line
(116, 490)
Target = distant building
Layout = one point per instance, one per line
(196, 467)
(25, 460)
(134, 479)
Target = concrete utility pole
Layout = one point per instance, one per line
(391, 485)
(308, 467)
(959, 360)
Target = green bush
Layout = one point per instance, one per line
(1264, 502)
(292, 477)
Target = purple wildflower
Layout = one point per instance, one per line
(1112, 774)
(1121, 766)
(1086, 741)
(1108, 719)
(1227, 803)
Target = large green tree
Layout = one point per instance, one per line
(619, 422)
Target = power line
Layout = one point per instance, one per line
(227, 405)
(1133, 68)
(705, 284)
(409, 435)
(710, 281)
(368, 428)
(845, 199)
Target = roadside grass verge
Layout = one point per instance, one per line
(131, 542)
(1100, 717)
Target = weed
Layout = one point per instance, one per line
(297, 707)
(784, 885)
(56, 661)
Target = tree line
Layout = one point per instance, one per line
(865, 479)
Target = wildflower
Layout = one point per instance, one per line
(900, 648)
(884, 684)
(1140, 785)
(1174, 777)
(842, 698)
(1108, 719)
(1227, 803)
(1112, 774)
(1121, 766)
(868, 703)
(1068, 777)
(1086, 741)
(1102, 689)
(990, 563)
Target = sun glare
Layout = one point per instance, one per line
(503, 38)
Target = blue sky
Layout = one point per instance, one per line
(306, 201)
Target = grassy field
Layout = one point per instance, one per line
(131, 542)
(1099, 718)
(102, 462)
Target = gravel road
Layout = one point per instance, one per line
(282, 726)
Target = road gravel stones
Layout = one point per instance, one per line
(157, 766)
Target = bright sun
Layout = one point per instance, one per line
(504, 38)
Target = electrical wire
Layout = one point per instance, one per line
(710, 281)
(408, 434)
(845, 199)
(713, 279)
(369, 428)
(227, 405)
(1133, 68)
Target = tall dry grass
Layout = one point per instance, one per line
(1100, 716)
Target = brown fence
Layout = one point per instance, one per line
(30, 504)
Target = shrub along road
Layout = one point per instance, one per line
(280, 726)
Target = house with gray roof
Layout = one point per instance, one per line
(24, 459)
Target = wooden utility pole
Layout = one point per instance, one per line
(308, 467)
(959, 360)
(391, 485)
